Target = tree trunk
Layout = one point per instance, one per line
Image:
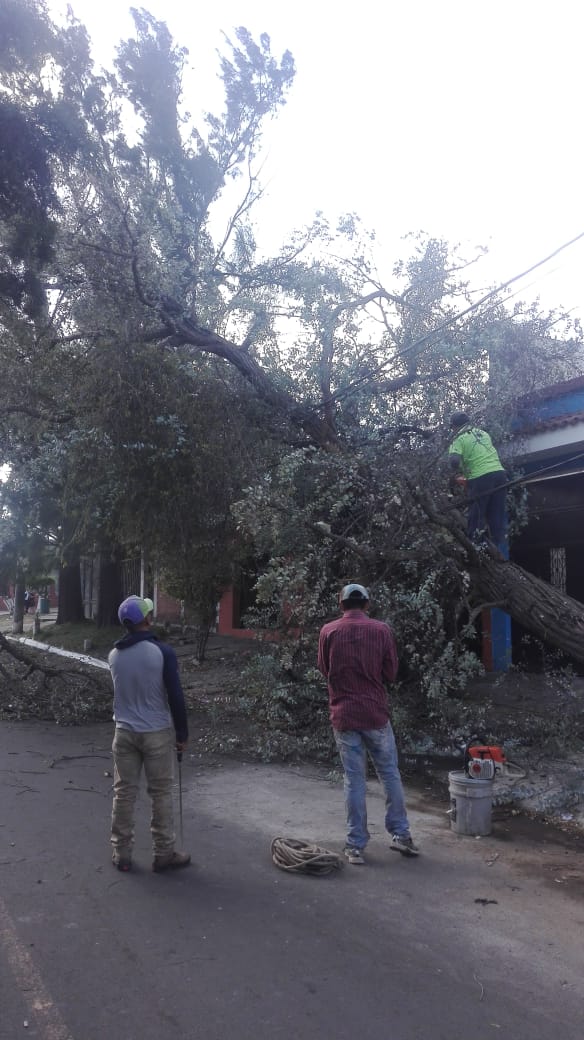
(70, 609)
(18, 615)
(202, 633)
(542, 609)
(110, 588)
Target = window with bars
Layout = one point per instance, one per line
(558, 568)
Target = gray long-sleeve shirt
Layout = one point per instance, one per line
(147, 691)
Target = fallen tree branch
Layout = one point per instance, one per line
(541, 608)
(27, 659)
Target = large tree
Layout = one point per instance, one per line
(352, 376)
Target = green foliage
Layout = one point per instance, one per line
(255, 86)
(35, 128)
(436, 666)
(441, 663)
(289, 716)
(423, 595)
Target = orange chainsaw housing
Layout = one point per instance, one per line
(486, 751)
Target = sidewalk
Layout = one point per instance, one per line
(6, 622)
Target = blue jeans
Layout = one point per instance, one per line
(487, 506)
(353, 746)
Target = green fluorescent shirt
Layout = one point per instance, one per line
(477, 452)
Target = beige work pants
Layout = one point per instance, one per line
(155, 752)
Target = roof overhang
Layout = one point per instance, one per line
(546, 444)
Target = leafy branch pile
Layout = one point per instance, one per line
(58, 692)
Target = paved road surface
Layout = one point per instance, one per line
(234, 948)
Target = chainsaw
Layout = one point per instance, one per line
(482, 761)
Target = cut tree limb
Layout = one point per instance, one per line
(541, 608)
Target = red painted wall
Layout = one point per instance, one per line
(167, 608)
(229, 617)
(228, 624)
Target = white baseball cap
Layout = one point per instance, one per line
(358, 593)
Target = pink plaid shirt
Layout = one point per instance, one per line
(357, 655)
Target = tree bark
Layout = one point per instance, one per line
(110, 589)
(70, 609)
(542, 609)
(18, 615)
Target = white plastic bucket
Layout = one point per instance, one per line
(471, 804)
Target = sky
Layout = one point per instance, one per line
(460, 118)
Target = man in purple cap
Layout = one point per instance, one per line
(358, 656)
(151, 725)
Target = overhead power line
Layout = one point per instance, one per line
(340, 395)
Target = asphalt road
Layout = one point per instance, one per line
(233, 947)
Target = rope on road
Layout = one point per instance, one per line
(302, 857)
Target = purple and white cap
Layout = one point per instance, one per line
(134, 609)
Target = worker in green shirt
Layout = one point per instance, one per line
(476, 464)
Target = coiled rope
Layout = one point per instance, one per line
(302, 857)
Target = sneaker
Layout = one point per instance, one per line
(405, 845)
(123, 863)
(172, 861)
(355, 856)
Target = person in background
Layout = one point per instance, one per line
(358, 657)
(476, 466)
(151, 726)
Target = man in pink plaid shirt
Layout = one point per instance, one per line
(357, 655)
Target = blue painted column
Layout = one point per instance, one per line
(496, 648)
(500, 641)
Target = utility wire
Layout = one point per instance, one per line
(341, 395)
(529, 477)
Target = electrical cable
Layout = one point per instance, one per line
(528, 478)
(340, 395)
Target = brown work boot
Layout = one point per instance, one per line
(123, 861)
(171, 861)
